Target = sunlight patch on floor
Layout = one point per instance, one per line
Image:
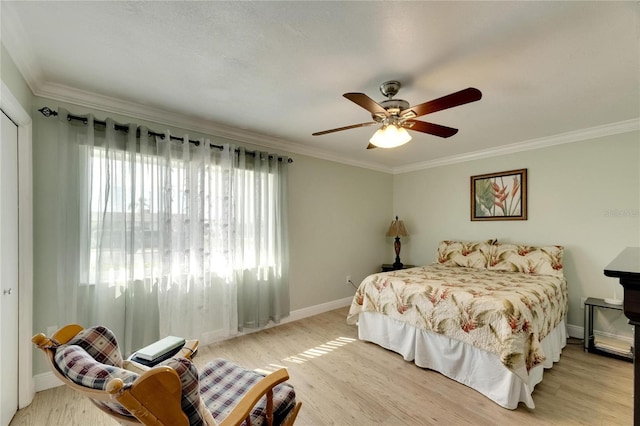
(269, 369)
(319, 350)
(309, 354)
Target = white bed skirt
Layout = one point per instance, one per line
(459, 361)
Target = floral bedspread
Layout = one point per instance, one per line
(506, 313)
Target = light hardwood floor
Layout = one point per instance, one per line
(343, 381)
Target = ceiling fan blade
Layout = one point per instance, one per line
(367, 103)
(353, 126)
(371, 146)
(462, 97)
(430, 128)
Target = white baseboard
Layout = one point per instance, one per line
(578, 333)
(575, 331)
(44, 381)
(48, 380)
(317, 309)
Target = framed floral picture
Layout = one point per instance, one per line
(499, 196)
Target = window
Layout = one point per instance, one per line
(157, 237)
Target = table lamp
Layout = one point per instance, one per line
(397, 229)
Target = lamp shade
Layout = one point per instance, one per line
(397, 229)
(390, 136)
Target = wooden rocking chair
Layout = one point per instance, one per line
(172, 393)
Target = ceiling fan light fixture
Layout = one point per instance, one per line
(396, 115)
(390, 136)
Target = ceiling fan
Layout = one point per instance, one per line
(396, 115)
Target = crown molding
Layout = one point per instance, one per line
(62, 93)
(91, 100)
(563, 138)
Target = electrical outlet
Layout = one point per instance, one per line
(348, 280)
(582, 300)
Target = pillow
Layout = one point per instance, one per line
(465, 254)
(100, 343)
(222, 382)
(528, 259)
(75, 363)
(191, 403)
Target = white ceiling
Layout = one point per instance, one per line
(276, 71)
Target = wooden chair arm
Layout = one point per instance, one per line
(41, 341)
(188, 350)
(61, 336)
(67, 333)
(264, 387)
(156, 391)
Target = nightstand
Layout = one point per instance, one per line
(589, 337)
(386, 267)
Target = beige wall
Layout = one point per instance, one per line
(13, 79)
(338, 216)
(583, 195)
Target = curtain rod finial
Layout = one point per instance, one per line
(47, 112)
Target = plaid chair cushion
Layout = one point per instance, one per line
(191, 403)
(100, 343)
(223, 383)
(78, 365)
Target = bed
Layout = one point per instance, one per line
(488, 315)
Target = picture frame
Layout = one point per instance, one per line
(499, 196)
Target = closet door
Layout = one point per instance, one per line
(8, 270)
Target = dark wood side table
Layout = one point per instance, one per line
(386, 267)
(626, 267)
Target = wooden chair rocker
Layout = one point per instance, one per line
(172, 393)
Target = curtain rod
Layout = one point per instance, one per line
(48, 112)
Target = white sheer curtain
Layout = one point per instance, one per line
(159, 237)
